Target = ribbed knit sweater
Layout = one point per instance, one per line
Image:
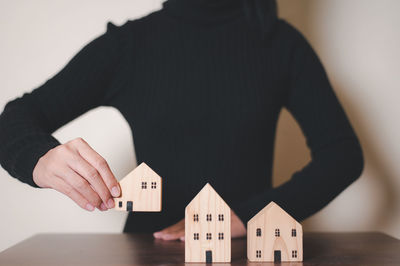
(202, 90)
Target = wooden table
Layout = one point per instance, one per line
(142, 249)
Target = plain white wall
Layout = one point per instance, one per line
(357, 41)
(37, 39)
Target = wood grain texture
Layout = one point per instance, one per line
(278, 233)
(141, 249)
(212, 226)
(143, 188)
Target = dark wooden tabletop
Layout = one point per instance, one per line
(142, 249)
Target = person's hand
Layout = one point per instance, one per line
(177, 231)
(79, 172)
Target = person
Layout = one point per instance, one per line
(201, 84)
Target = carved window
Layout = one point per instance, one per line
(153, 185)
(195, 217)
(208, 236)
(144, 185)
(196, 236)
(258, 232)
(294, 253)
(220, 236)
(277, 232)
(120, 204)
(258, 253)
(220, 217)
(294, 233)
(208, 217)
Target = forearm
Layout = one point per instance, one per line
(27, 123)
(332, 169)
(23, 140)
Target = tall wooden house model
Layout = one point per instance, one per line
(274, 236)
(140, 191)
(207, 228)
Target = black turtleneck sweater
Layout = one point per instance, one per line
(201, 88)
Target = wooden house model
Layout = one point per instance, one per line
(274, 236)
(140, 191)
(207, 228)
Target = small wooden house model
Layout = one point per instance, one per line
(140, 191)
(207, 228)
(274, 236)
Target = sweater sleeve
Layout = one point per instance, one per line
(336, 155)
(27, 123)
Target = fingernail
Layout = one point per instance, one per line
(115, 192)
(157, 234)
(89, 207)
(103, 207)
(110, 203)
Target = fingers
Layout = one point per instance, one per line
(82, 174)
(173, 236)
(169, 236)
(101, 165)
(166, 231)
(174, 232)
(61, 186)
(81, 185)
(92, 177)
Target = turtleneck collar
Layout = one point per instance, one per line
(204, 11)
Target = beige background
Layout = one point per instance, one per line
(357, 40)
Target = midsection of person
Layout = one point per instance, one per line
(201, 87)
(202, 111)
